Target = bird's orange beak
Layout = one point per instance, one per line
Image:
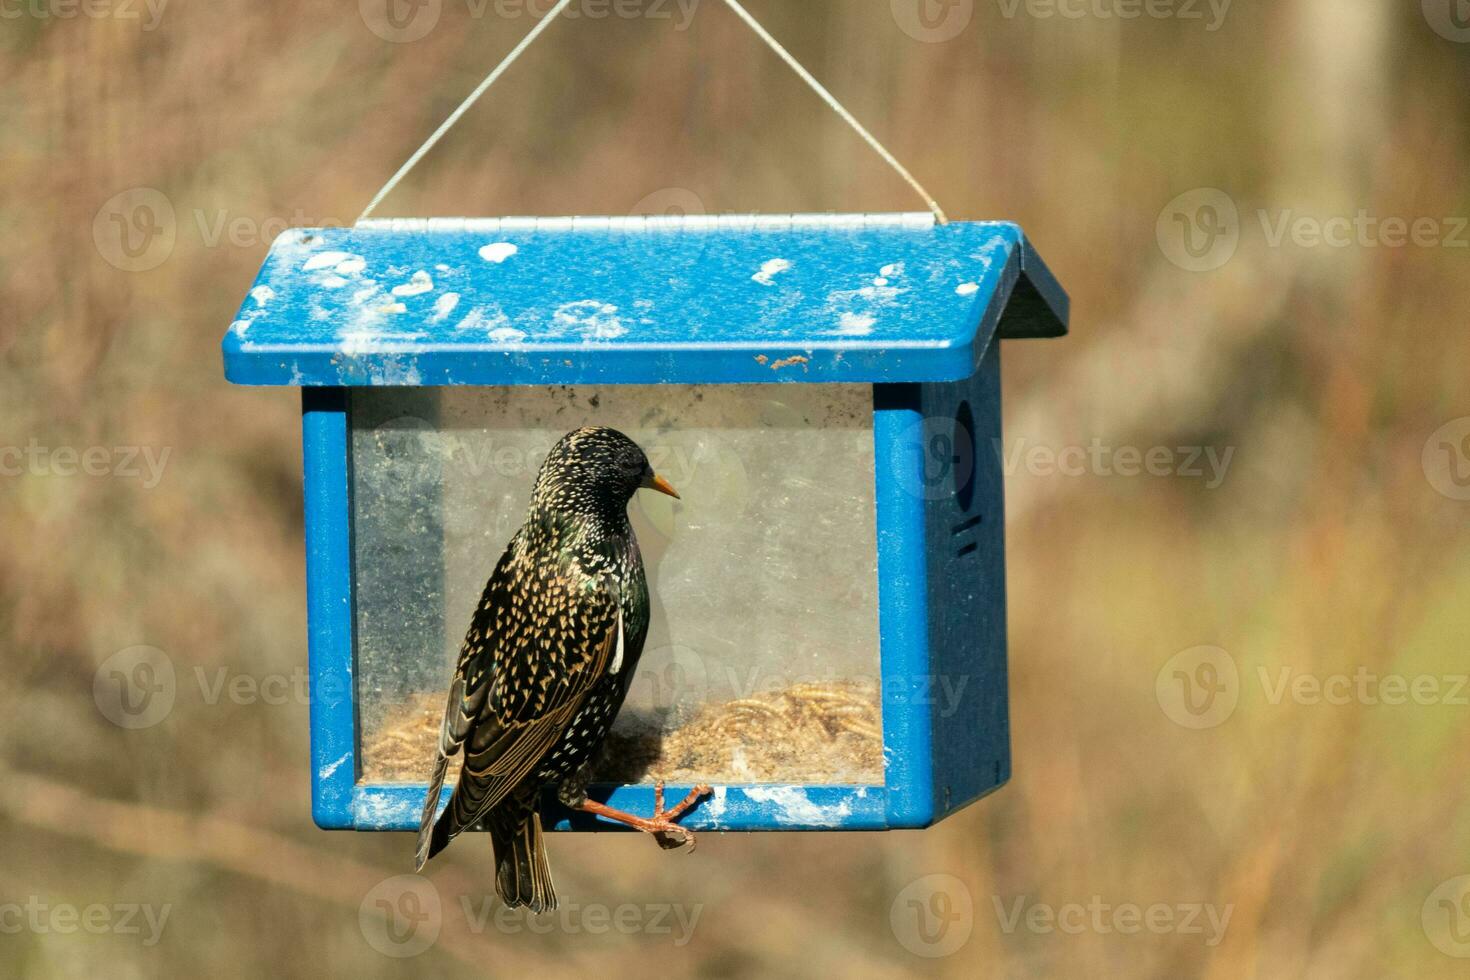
(658, 483)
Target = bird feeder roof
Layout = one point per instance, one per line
(694, 300)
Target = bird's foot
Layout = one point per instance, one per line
(662, 825)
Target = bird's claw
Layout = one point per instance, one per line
(663, 824)
(669, 835)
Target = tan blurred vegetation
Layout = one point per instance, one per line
(1325, 549)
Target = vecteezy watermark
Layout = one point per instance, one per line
(933, 917)
(1201, 687)
(137, 229)
(403, 916)
(1449, 18)
(1204, 919)
(1207, 463)
(1210, 13)
(669, 202)
(932, 21)
(38, 916)
(1200, 230)
(143, 463)
(1446, 459)
(1198, 687)
(675, 676)
(1445, 917)
(138, 687)
(149, 12)
(405, 21)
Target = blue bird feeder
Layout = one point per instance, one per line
(828, 647)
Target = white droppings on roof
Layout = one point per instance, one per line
(891, 270)
(880, 281)
(322, 260)
(352, 266)
(262, 295)
(793, 806)
(420, 283)
(498, 252)
(967, 288)
(402, 370)
(358, 341)
(770, 269)
(240, 326)
(593, 319)
(366, 293)
(443, 306)
(855, 324)
(393, 308)
(441, 267)
(507, 335)
(332, 282)
(483, 318)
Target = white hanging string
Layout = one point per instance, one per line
(838, 108)
(744, 15)
(464, 106)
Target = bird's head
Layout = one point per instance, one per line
(594, 472)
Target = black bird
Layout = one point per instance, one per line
(546, 664)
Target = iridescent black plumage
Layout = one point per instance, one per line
(547, 660)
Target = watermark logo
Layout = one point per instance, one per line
(933, 917)
(135, 230)
(1199, 687)
(135, 688)
(1210, 13)
(149, 12)
(406, 21)
(41, 917)
(401, 916)
(934, 458)
(1446, 917)
(933, 21)
(1449, 18)
(142, 463)
(674, 202)
(138, 229)
(1208, 464)
(1199, 230)
(1204, 919)
(1446, 459)
(400, 21)
(674, 676)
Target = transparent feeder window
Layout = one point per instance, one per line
(761, 664)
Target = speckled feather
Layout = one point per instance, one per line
(547, 659)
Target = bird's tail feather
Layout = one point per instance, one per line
(522, 871)
(433, 835)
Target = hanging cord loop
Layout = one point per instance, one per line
(740, 12)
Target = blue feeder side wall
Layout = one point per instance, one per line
(967, 701)
(329, 606)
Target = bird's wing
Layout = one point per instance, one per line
(540, 640)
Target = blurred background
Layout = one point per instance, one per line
(1239, 707)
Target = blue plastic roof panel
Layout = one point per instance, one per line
(686, 300)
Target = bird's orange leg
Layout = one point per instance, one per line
(662, 824)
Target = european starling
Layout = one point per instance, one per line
(546, 664)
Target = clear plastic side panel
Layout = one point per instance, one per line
(761, 664)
